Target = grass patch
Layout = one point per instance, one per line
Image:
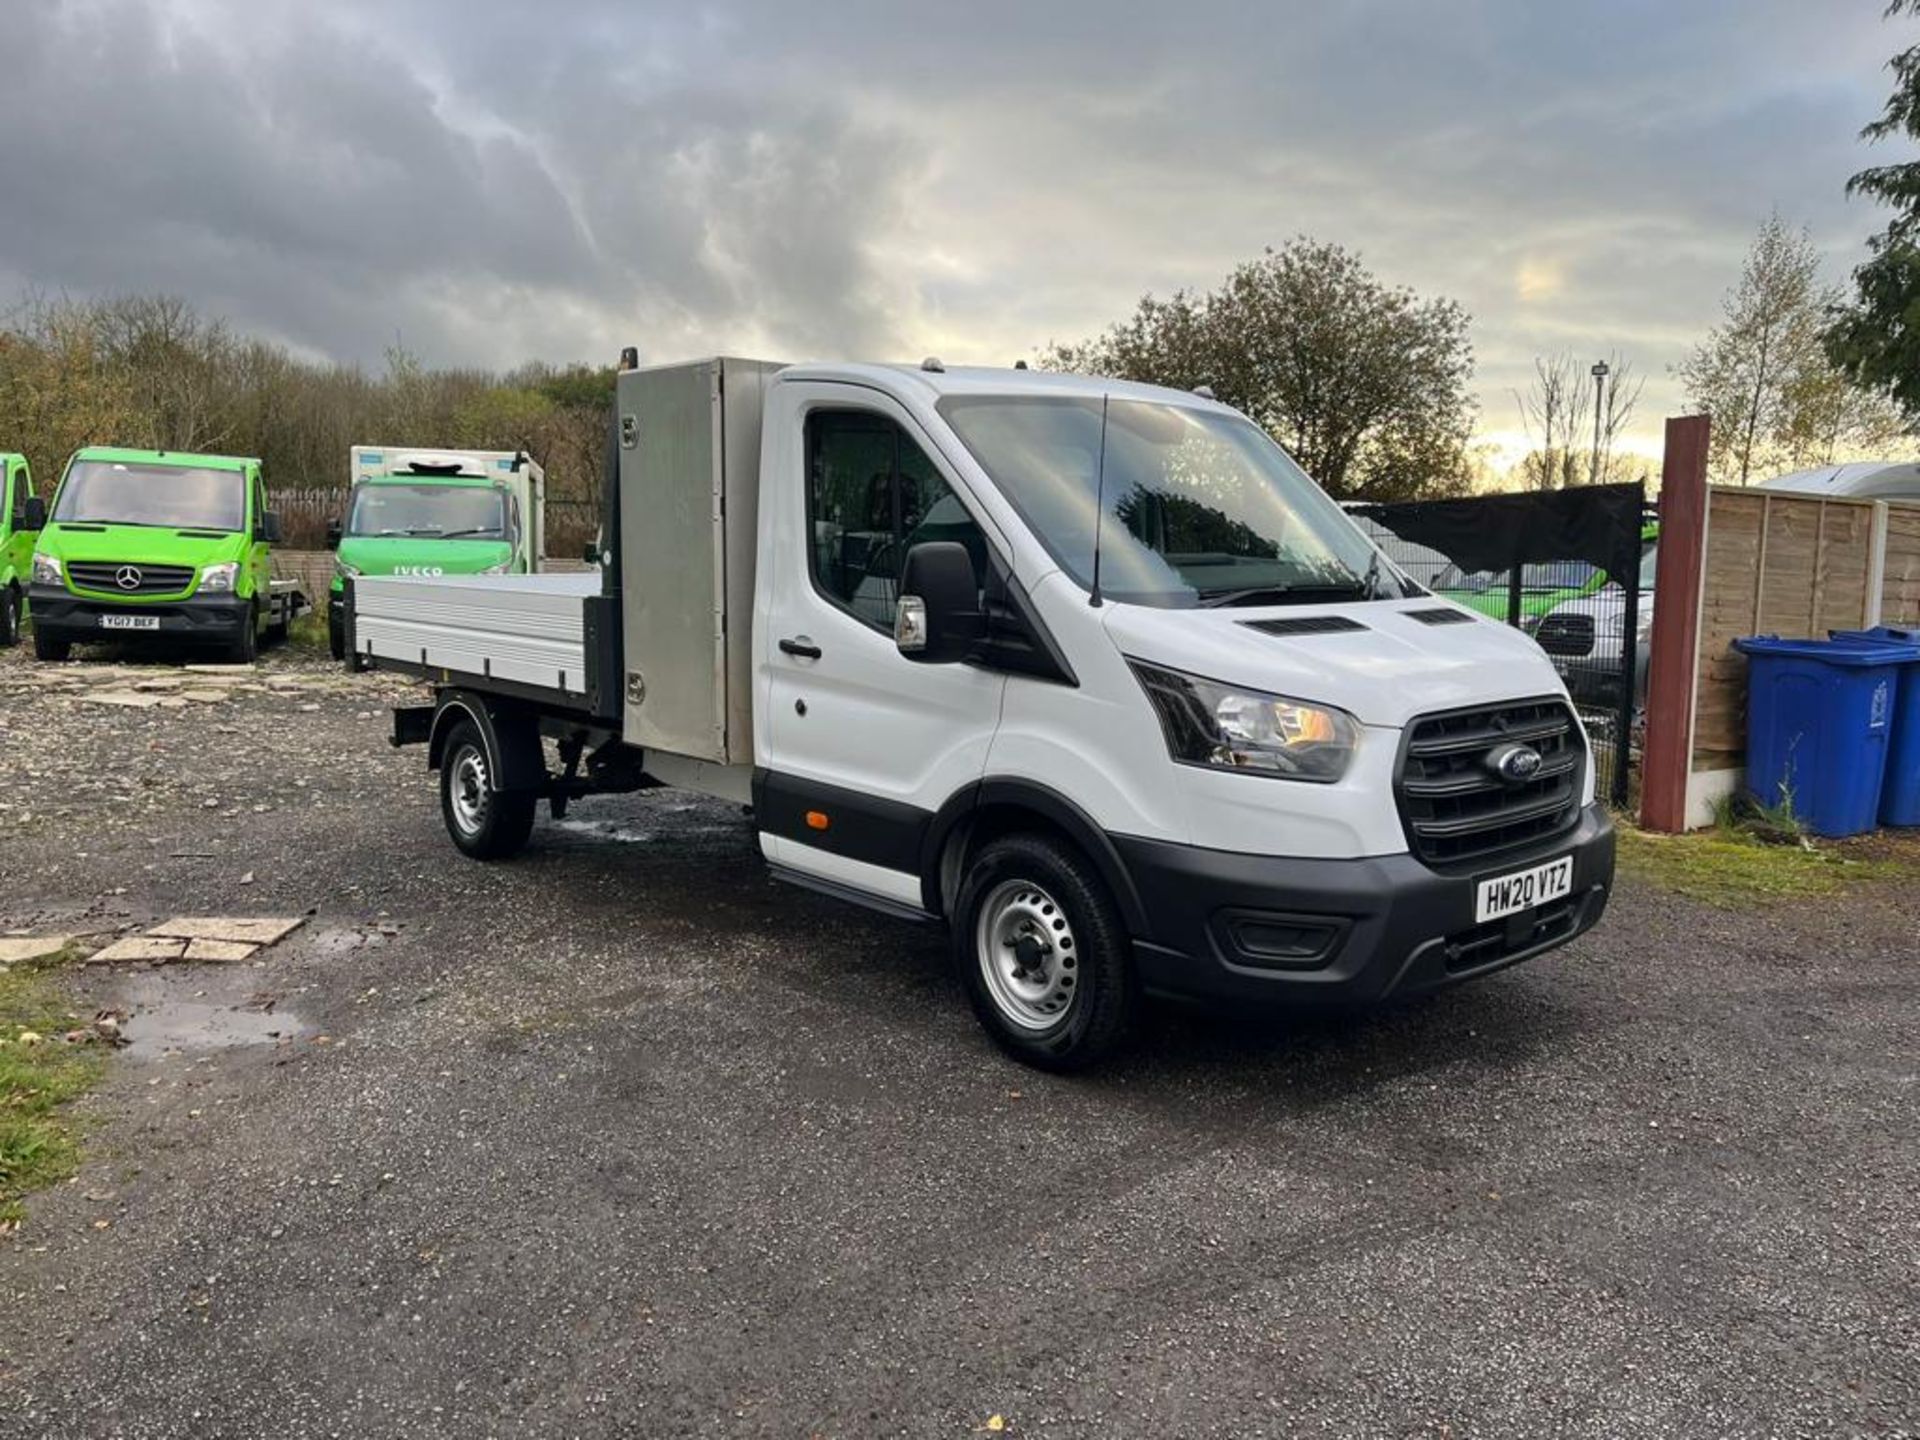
(1730, 866)
(37, 1142)
(309, 632)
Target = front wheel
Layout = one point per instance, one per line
(45, 647)
(1043, 953)
(485, 823)
(9, 617)
(245, 648)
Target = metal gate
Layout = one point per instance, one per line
(1571, 568)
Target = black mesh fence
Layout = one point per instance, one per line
(1571, 568)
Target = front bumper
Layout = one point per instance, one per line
(62, 615)
(1235, 929)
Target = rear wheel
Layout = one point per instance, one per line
(1044, 954)
(486, 823)
(9, 616)
(45, 647)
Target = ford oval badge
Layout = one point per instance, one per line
(1514, 763)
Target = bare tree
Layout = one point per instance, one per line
(1557, 410)
(1764, 375)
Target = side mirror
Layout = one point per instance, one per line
(36, 514)
(938, 620)
(334, 531)
(269, 530)
(590, 552)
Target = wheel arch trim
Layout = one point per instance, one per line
(954, 821)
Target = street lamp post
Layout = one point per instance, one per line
(1599, 404)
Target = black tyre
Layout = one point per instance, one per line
(487, 824)
(245, 648)
(336, 635)
(45, 647)
(1044, 954)
(9, 617)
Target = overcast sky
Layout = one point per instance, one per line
(493, 181)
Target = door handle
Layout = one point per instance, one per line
(802, 647)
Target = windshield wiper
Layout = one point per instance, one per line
(1284, 594)
(476, 530)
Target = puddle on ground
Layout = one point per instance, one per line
(168, 1015)
(605, 830)
(349, 939)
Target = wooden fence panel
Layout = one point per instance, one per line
(1776, 564)
(1900, 582)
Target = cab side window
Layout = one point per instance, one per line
(872, 495)
(259, 503)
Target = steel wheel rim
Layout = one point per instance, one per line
(468, 790)
(1027, 954)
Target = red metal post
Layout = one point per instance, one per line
(1675, 643)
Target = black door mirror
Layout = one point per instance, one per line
(35, 514)
(334, 531)
(939, 619)
(269, 528)
(590, 552)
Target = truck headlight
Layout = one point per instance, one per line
(46, 569)
(219, 578)
(1206, 723)
(502, 568)
(344, 570)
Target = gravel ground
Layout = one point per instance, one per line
(624, 1138)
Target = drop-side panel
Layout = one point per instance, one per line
(689, 476)
(530, 629)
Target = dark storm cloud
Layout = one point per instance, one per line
(491, 181)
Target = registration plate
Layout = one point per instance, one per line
(129, 622)
(1523, 890)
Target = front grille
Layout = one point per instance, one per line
(1304, 625)
(1455, 806)
(106, 576)
(1498, 939)
(1566, 635)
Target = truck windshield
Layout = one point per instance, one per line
(443, 512)
(174, 497)
(1201, 508)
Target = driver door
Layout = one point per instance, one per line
(862, 744)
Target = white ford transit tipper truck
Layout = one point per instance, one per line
(1090, 672)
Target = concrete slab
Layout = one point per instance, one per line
(138, 947)
(15, 949)
(208, 696)
(127, 699)
(218, 950)
(239, 929)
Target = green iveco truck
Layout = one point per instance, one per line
(155, 544)
(19, 518)
(435, 512)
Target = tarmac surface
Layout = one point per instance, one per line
(626, 1138)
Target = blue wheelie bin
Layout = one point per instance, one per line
(1900, 792)
(1819, 723)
